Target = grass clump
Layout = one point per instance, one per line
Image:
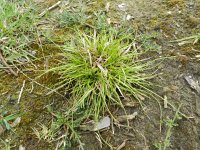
(16, 24)
(99, 70)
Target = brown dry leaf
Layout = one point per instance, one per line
(2, 129)
(193, 84)
(88, 126)
(174, 88)
(16, 122)
(129, 103)
(107, 6)
(92, 126)
(171, 88)
(141, 97)
(124, 118)
(121, 145)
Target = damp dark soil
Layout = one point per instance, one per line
(171, 20)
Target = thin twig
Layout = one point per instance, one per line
(50, 8)
(39, 83)
(2, 59)
(20, 94)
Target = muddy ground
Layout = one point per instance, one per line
(171, 20)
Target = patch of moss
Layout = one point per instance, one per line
(173, 3)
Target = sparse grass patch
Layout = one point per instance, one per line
(100, 70)
(188, 41)
(147, 42)
(16, 30)
(63, 130)
(70, 19)
(170, 124)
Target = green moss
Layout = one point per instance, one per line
(173, 3)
